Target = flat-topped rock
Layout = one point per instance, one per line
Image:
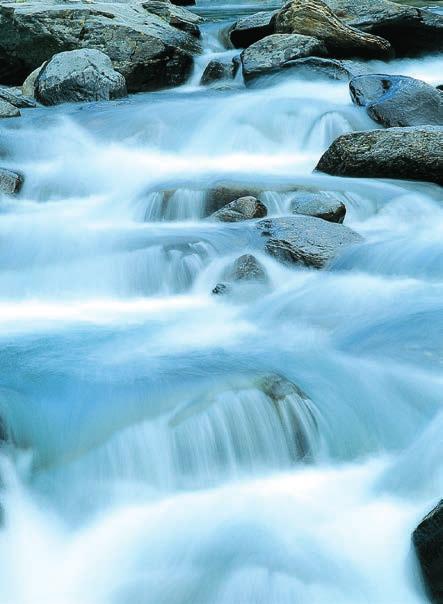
(252, 28)
(273, 52)
(405, 153)
(10, 182)
(305, 240)
(319, 205)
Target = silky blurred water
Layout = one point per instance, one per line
(150, 464)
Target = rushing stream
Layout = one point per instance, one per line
(152, 467)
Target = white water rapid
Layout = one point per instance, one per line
(151, 466)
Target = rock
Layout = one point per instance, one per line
(183, 2)
(244, 208)
(8, 110)
(10, 182)
(397, 100)
(318, 67)
(319, 205)
(272, 53)
(28, 87)
(218, 70)
(246, 268)
(315, 18)
(409, 153)
(305, 240)
(222, 195)
(252, 28)
(410, 30)
(428, 543)
(143, 47)
(175, 16)
(15, 97)
(221, 289)
(79, 75)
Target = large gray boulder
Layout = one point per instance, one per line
(8, 110)
(252, 28)
(315, 18)
(410, 30)
(319, 205)
(407, 153)
(398, 100)
(143, 47)
(244, 208)
(273, 52)
(428, 543)
(305, 240)
(10, 182)
(79, 75)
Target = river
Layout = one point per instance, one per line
(152, 468)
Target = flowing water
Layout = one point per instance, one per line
(151, 464)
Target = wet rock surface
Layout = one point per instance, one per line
(244, 208)
(273, 52)
(305, 240)
(8, 110)
(217, 71)
(143, 47)
(319, 205)
(252, 28)
(10, 182)
(428, 543)
(79, 75)
(397, 100)
(402, 153)
(315, 18)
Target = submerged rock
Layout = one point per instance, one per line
(244, 208)
(217, 70)
(397, 100)
(305, 240)
(272, 53)
(407, 153)
(79, 75)
(8, 110)
(10, 182)
(319, 205)
(223, 194)
(246, 268)
(252, 28)
(143, 47)
(315, 18)
(410, 30)
(428, 543)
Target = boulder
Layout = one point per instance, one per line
(143, 47)
(223, 194)
(28, 86)
(10, 182)
(15, 97)
(410, 30)
(183, 2)
(272, 53)
(305, 240)
(405, 153)
(8, 110)
(79, 75)
(246, 268)
(244, 208)
(397, 100)
(175, 15)
(319, 205)
(217, 70)
(315, 18)
(252, 28)
(319, 67)
(428, 544)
